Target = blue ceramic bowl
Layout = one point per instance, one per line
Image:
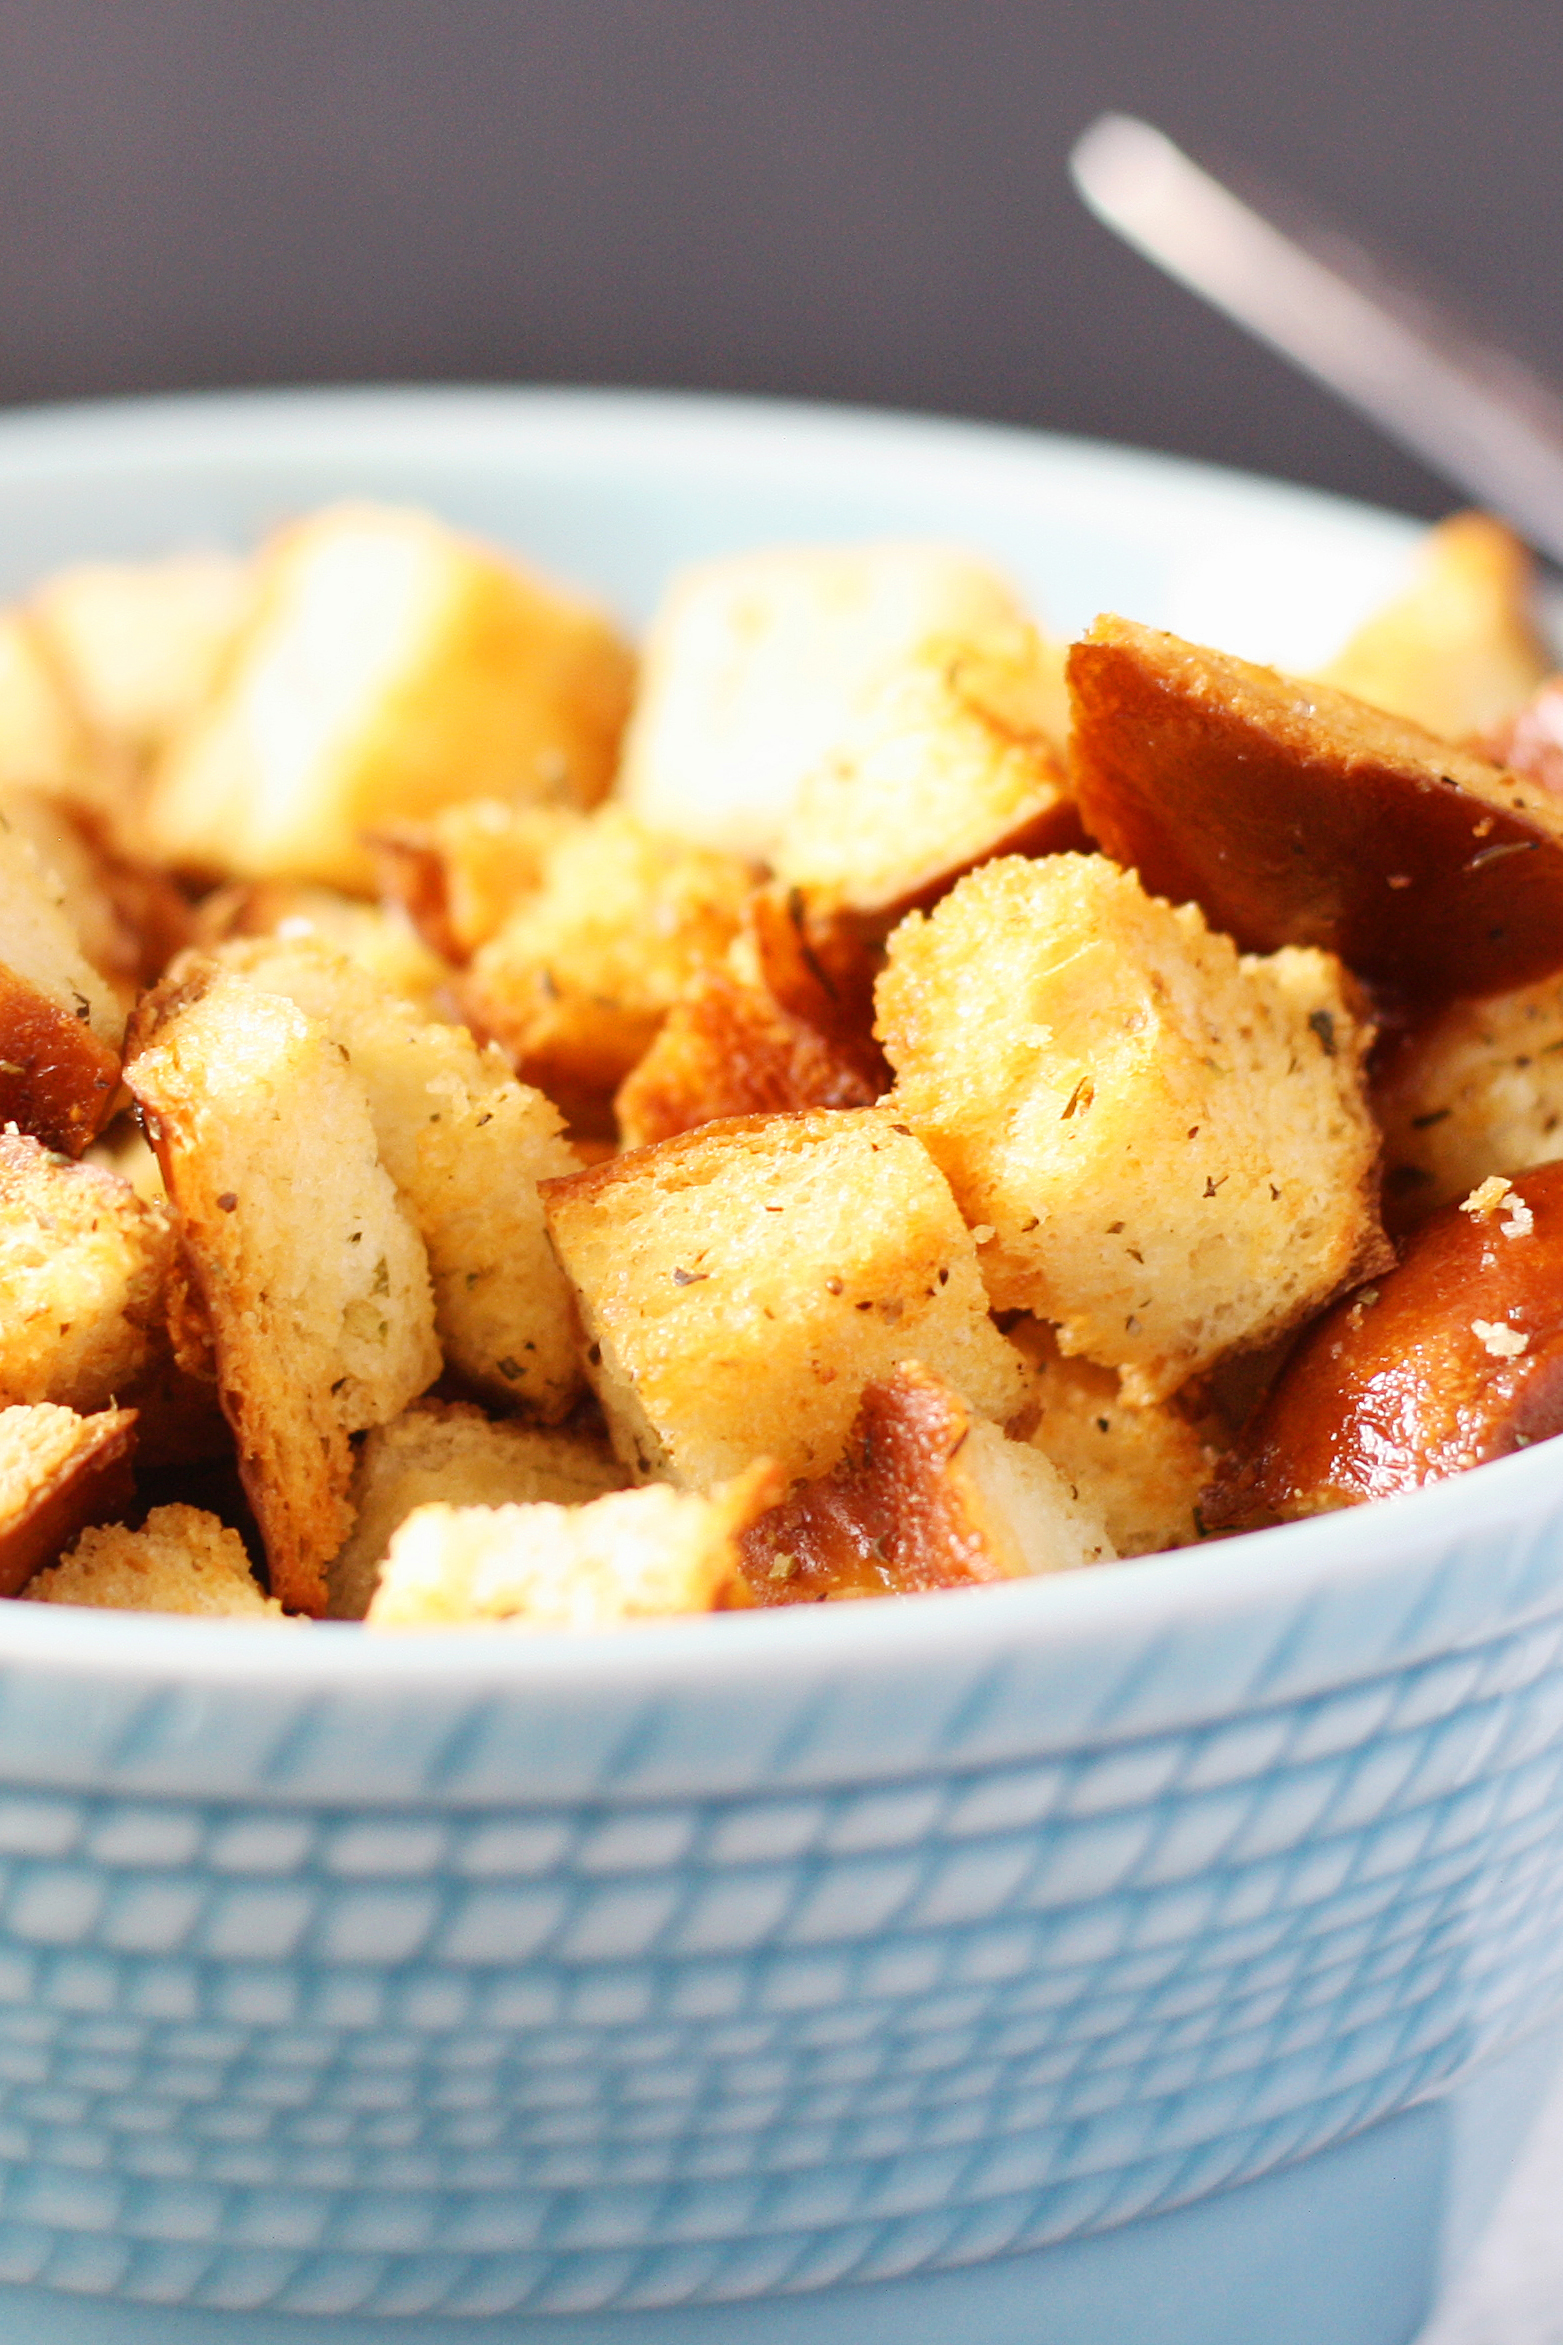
(1164, 1953)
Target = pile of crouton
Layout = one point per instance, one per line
(497, 1130)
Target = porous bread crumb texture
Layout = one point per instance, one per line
(311, 1277)
(449, 1453)
(728, 1049)
(378, 937)
(1170, 1146)
(577, 981)
(466, 1146)
(1142, 1469)
(632, 1556)
(947, 759)
(1478, 1090)
(389, 667)
(926, 1495)
(740, 1285)
(755, 665)
(181, 1560)
(58, 1471)
(83, 1262)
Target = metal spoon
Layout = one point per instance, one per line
(1474, 413)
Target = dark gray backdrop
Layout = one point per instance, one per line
(854, 199)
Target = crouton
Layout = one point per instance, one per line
(634, 1555)
(466, 1146)
(1168, 1150)
(947, 759)
(181, 1560)
(925, 1496)
(43, 742)
(310, 1276)
(390, 667)
(460, 875)
(448, 1453)
(83, 1261)
(1141, 1469)
(755, 664)
(140, 645)
(727, 1049)
(58, 1471)
(577, 982)
(740, 1285)
(1476, 1090)
(1458, 652)
(1293, 814)
(60, 1024)
(379, 937)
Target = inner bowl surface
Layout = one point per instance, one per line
(748, 1956)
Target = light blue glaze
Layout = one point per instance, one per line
(733, 1961)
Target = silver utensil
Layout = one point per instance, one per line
(1474, 413)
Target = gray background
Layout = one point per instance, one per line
(847, 199)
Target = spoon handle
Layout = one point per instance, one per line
(1473, 413)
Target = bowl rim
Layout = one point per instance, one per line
(189, 432)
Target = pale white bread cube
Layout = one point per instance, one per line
(926, 1495)
(310, 1274)
(1459, 651)
(83, 1266)
(948, 758)
(1141, 1469)
(58, 1471)
(633, 1556)
(466, 1146)
(43, 741)
(1476, 1090)
(755, 664)
(61, 1023)
(391, 667)
(1169, 1150)
(576, 983)
(181, 1560)
(740, 1285)
(140, 645)
(449, 1453)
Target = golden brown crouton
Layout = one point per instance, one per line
(461, 874)
(60, 1024)
(448, 1453)
(379, 937)
(925, 1496)
(466, 1145)
(181, 1560)
(140, 645)
(83, 1262)
(728, 1049)
(391, 667)
(632, 1556)
(1458, 652)
(576, 983)
(312, 1280)
(1293, 814)
(948, 759)
(1477, 1090)
(58, 1471)
(1169, 1149)
(755, 664)
(1141, 1469)
(740, 1286)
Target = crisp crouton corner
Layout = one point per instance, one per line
(310, 1274)
(181, 1560)
(1170, 1147)
(634, 1555)
(740, 1285)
